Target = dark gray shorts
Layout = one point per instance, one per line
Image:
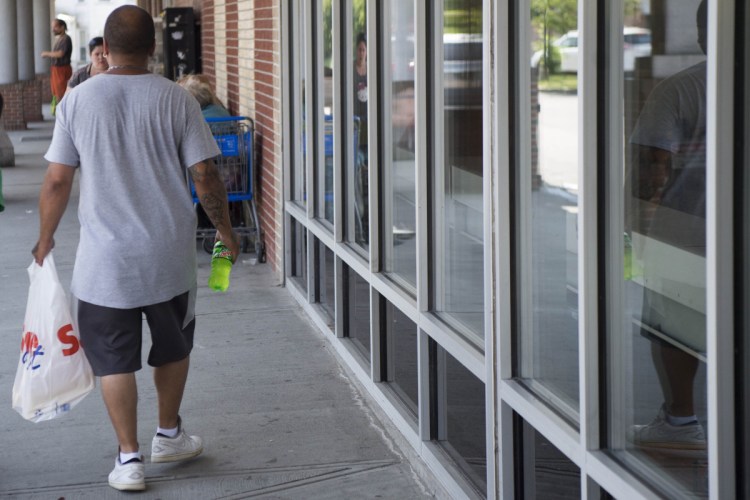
(112, 338)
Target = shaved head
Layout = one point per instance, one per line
(129, 30)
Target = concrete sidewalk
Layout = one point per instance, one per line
(279, 415)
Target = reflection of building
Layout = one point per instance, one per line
(486, 316)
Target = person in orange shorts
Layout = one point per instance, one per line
(61, 70)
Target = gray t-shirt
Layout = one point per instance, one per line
(132, 137)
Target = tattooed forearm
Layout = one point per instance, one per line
(215, 207)
(212, 194)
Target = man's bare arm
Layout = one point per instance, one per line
(53, 199)
(212, 195)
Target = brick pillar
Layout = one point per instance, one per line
(13, 109)
(32, 101)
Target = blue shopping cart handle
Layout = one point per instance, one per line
(227, 119)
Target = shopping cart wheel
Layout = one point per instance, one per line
(208, 245)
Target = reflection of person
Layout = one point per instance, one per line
(61, 70)
(200, 88)
(136, 254)
(670, 140)
(97, 65)
(360, 112)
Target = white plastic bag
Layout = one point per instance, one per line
(53, 373)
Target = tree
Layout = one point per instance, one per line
(552, 19)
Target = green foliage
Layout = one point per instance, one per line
(462, 16)
(552, 19)
(327, 32)
(359, 18)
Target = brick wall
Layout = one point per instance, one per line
(23, 104)
(241, 52)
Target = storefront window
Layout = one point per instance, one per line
(462, 420)
(299, 158)
(357, 307)
(326, 282)
(548, 210)
(657, 343)
(298, 271)
(325, 69)
(399, 225)
(459, 212)
(545, 471)
(357, 164)
(402, 356)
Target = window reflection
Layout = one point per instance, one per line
(547, 473)
(326, 281)
(358, 311)
(299, 178)
(663, 279)
(549, 208)
(399, 225)
(299, 262)
(402, 356)
(459, 236)
(326, 70)
(464, 418)
(359, 98)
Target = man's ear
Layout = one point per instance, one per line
(152, 49)
(105, 48)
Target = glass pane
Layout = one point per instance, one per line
(358, 311)
(462, 431)
(299, 160)
(325, 174)
(549, 202)
(399, 190)
(402, 356)
(459, 209)
(326, 281)
(299, 257)
(547, 473)
(356, 169)
(657, 343)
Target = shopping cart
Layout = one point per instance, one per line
(234, 136)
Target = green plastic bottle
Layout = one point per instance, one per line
(221, 266)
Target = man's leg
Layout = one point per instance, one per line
(120, 395)
(170, 385)
(676, 370)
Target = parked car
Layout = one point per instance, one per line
(636, 43)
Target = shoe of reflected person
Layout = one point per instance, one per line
(661, 434)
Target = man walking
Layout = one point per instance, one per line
(137, 251)
(61, 70)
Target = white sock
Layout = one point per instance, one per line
(170, 433)
(681, 420)
(124, 457)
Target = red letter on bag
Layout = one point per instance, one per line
(65, 338)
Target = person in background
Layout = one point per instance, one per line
(137, 132)
(360, 113)
(61, 69)
(97, 65)
(200, 88)
(670, 184)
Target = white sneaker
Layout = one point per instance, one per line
(180, 447)
(661, 434)
(129, 476)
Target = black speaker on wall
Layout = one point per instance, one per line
(181, 46)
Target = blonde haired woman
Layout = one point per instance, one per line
(200, 87)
